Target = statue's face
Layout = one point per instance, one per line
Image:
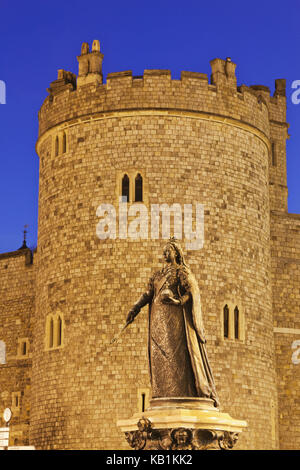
(169, 254)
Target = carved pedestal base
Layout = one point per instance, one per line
(181, 424)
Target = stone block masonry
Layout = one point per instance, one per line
(192, 140)
(17, 303)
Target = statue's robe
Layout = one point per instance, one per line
(178, 360)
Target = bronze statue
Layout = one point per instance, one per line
(178, 360)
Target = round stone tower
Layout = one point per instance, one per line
(188, 141)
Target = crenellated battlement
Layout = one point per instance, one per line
(69, 100)
(12, 255)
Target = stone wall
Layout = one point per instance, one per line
(193, 142)
(17, 296)
(285, 239)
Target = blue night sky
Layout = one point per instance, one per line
(37, 38)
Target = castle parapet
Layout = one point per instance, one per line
(157, 90)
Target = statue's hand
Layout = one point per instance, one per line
(168, 299)
(131, 316)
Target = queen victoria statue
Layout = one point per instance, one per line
(178, 359)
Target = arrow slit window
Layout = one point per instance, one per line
(138, 188)
(125, 187)
(233, 322)
(54, 331)
(226, 321)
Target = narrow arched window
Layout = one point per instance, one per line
(59, 331)
(274, 160)
(24, 348)
(139, 188)
(125, 187)
(56, 146)
(51, 329)
(64, 143)
(143, 399)
(2, 353)
(236, 323)
(16, 401)
(226, 321)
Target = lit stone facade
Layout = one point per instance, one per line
(17, 296)
(192, 141)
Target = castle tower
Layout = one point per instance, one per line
(181, 141)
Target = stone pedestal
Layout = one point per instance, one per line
(181, 424)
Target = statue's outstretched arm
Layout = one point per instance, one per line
(145, 299)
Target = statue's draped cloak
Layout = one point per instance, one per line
(178, 360)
